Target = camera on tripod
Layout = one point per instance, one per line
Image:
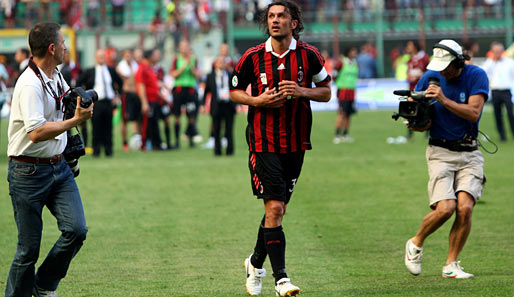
(417, 112)
(75, 146)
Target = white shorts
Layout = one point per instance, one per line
(452, 172)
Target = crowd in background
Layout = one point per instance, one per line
(202, 14)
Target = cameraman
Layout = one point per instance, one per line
(455, 165)
(38, 175)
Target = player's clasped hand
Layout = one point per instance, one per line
(271, 99)
(290, 89)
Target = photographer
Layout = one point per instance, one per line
(38, 175)
(455, 165)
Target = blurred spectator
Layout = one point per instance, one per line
(500, 71)
(118, 7)
(111, 54)
(417, 64)
(400, 66)
(224, 51)
(93, 10)
(4, 76)
(9, 11)
(184, 69)
(130, 103)
(147, 86)
(222, 108)
(69, 70)
(157, 28)
(346, 82)
(221, 8)
(31, 12)
(107, 83)
(163, 111)
(22, 58)
(471, 48)
(44, 11)
(188, 17)
(367, 63)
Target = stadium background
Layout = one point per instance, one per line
(177, 223)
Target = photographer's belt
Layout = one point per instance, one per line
(454, 145)
(36, 160)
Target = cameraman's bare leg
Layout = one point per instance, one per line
(444, 209)
(461, 227)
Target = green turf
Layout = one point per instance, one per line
(180, 223)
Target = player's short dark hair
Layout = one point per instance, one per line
(147, 54)
(41, 36)
(292, 8)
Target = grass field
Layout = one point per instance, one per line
(181, 223)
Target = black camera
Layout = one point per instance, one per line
(75, 146)
(70, 100)
(419, 111)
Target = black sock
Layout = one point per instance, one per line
(276, 247)
(345, 132)
(124, 142)
(338, 132)
(177, 133)
(167, 134)
(259, 252)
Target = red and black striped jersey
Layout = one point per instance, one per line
(288, 128)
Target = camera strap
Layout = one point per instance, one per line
(48, 87)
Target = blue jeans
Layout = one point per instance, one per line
(32, 186)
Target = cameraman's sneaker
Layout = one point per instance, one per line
(38, 292)
(413, 256)
(454, 270)
(253, 277)
(284, 287)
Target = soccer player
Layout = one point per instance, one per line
(455, 165)
(281, 72)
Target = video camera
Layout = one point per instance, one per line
(417, 112)
(75, 146)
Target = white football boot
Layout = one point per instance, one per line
(284, 287)
(454, 270)
(413, 256)
(253, 278)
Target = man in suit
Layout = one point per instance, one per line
(108, 84)
(222, 109)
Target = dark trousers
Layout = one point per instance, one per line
(102, 127)
(32, 187)
(150, 126)
(224, 114)
(502, 97)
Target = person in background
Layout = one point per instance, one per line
(184, 69)
(416, 66)
(367, 62)
(222, 108)
(108, 84)
(500, 71)
(346, 82)
(130, 103)
(147, 86)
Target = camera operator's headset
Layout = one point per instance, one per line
(460, 59)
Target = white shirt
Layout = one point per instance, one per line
(32, 107)
(125, 70)
(500, 73)
(222, 85)
(103, 83)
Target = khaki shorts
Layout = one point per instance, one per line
(452, 172)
